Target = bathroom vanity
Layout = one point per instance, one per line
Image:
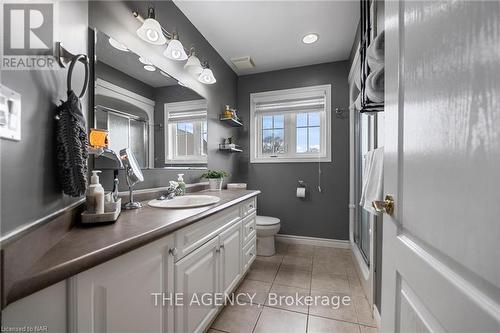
(108, 279)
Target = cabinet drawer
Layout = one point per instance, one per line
(248, 207)
(249, 253)
(249, 228)
(193, 236)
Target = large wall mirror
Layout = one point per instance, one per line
(143, 108)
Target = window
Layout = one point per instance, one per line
(186, 132)
(125, 131)
(292, 125)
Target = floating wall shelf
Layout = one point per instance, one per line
(230, 148)
(231, 121)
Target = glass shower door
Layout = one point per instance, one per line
(364, 125)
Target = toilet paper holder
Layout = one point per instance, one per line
(301, 189)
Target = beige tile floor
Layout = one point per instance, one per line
(306, 270)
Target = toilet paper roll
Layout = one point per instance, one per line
(301, 192)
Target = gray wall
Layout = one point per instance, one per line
(320, 214)
(115, 19)
(29, 188)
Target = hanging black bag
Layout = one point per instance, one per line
(71, 138)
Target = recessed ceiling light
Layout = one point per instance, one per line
(310, 38)
(150, 68)
(117, 45)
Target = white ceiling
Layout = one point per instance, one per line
(271, 31)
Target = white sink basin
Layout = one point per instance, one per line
(186, 201)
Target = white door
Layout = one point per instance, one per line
(441, 262)
(230, 257)
(197, 276)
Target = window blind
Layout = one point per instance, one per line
(292, 105)
(187, 115)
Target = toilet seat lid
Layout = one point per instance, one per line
(267, 220)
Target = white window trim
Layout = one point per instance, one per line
(284, 94)
(181, 106)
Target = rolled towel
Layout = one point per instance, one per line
(374, 86)
(357, 102)
(375, 54)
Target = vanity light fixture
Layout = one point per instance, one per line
(149, 68)
(310, 38)
(175, 49)
(117, 45)
(206, 75)
(150, 30)
(193, 64)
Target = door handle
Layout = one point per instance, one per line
(385, 206)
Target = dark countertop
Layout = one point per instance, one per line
(83, 247)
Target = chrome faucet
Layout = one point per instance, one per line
(170, 192)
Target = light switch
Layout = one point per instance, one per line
(10, 114)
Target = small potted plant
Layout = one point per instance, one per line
(215, 179)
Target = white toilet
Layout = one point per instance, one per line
(267, 227)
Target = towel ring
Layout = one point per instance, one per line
(83, 59)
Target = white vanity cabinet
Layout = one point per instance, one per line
(206, 258)
(116, 296)
(197, 275)
(230, 257)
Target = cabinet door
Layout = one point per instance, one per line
(230, 257)
(249, 254)
(117, 296)
(197, 275)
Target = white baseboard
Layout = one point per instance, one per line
(376, 315)
(291, 239)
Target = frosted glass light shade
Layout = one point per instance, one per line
(193, 65)
(207, 76)
(175, 50)
(151, 32)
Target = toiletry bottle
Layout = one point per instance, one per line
(95, 194)
(182, 185)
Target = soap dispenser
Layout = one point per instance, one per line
(95, 194)
(182, 184)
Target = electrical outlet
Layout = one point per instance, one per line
(10, 114)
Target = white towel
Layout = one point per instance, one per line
(357, 79)
(366, 170)
(374, 86)
(373, 187)
(375, 54)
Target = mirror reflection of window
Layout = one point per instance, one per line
(123, 85)
(186, 132)
(125, 131)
